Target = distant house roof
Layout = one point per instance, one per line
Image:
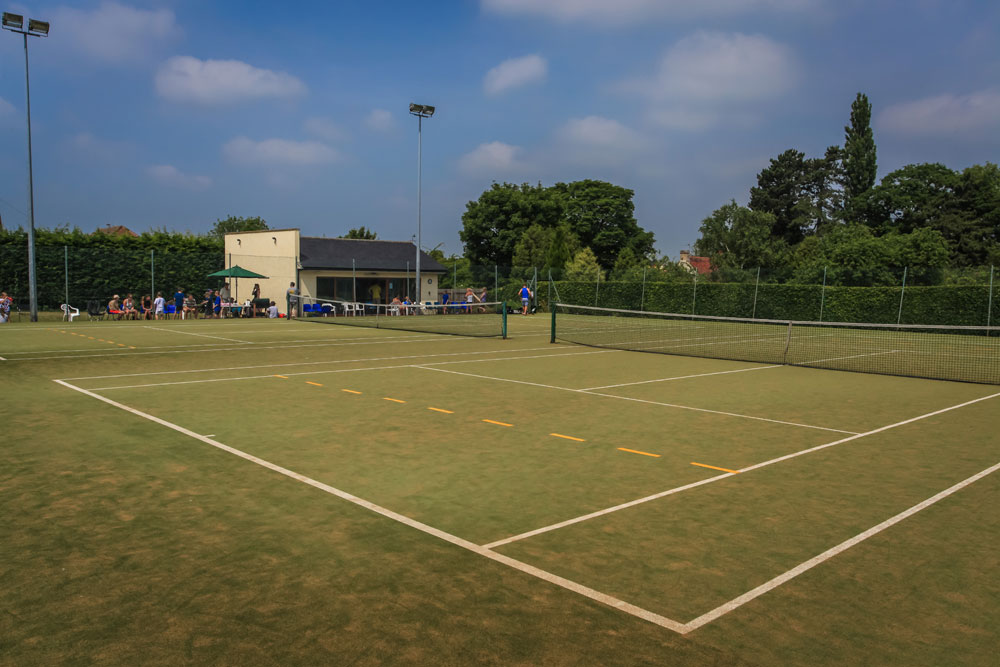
(340, 254)
(116, 230)
(703, 265)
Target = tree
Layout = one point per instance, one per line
(532, 248)
(859, 150)
(736, 237)
(602, 215)
(584, 267)
(824, 187)
(781, 191)
(493, 224)
(562, 246)
(625, 265)
(360, 233)
(237, 224)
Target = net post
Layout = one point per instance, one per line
(66, 272)
(902, 293)
(552, 336)
(503, 320)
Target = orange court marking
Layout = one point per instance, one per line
(705, 465)
(351, 391)
(394, 400)
(636, 451)
(567, 437)
(315, 384)
(447, 412)
(490, 421)
(283, 377)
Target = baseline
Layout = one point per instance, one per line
(188, 333)
(531, 570)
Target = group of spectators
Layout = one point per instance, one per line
(213, 304)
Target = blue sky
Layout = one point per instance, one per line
(173, 114)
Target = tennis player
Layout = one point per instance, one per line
(525, 298)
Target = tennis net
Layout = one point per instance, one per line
(959, 353)
(459, 319)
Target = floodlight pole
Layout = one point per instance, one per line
(421, 111)
(32, 283)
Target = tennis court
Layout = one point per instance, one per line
(264, 491)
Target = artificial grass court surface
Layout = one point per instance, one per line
(126, 541)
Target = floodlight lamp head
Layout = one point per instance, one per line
(40, 28)
(422, 110)
(13, 21)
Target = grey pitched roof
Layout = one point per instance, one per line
(319, 253)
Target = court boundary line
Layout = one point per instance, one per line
(513, 563)
(681, 377)
(763, 464)
(638, 400)
(805, 566)
(189, 333)
(338, 370)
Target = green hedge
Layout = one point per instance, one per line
(955, 305)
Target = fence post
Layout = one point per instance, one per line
(66, 271)
(642, 298)
(755, 287)
(354, 280)
(822, 296)
(694, 295)
(152, 272)
(902, 292)
(496, 283)
(597, 289)
(989, 303)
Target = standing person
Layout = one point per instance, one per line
(482, 299)
(254, 296)
(293, 300)
(207, 304)
(216, 304)
(179, 302)
(159, 303)
(5, 302)
(376, 293)
(224, 292)
(525, 298)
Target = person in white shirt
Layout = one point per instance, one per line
(158, 304)
(272, 311)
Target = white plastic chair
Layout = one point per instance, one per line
(69, 312)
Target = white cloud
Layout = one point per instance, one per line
(710, 77)
(168, 175)
(270, 152)
(492, 157)
(944, 114)
(621, 12)
(380, 120)
(598, 140)
(95, 149)
(114, 33)
(324, 128)
(212, 82)
(515, 72)
(713, 66)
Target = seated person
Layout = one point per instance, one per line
(190, 308)
(272, 311)
(128, 307)
(114, 308)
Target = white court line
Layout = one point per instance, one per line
(339, 370)
(681, 377)
(639, 400)
(301, 363)
(737, 602)
(2, 359)
(779, 459)
(188, 333)
(531, 570)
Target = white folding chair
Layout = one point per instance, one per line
(69, 312)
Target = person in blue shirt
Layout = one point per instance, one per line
(525, 298)
(179, 302)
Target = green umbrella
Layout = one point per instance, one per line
(237, 272)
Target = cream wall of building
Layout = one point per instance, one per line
(271, 252)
